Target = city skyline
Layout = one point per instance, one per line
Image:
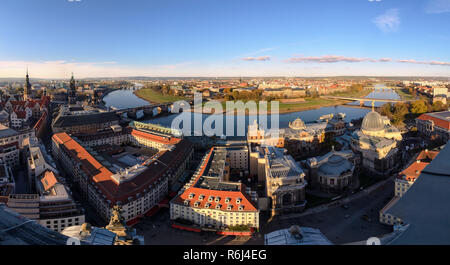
(223, 39)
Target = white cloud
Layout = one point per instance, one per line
(260, 58)
(437, 6)
(327, 59)
(389, 21)
(299, 66)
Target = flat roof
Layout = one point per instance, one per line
(18, 230)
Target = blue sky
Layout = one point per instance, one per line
(224, 37)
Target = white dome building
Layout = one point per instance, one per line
(377, 144)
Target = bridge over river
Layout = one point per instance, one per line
(151, 109)
(362, 100)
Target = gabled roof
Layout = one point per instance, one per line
(48, 180)
(233, 196)
(101, 177)
(440, 119)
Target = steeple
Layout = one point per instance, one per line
(27, 87)
(72, 95)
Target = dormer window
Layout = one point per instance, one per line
(207, 205)
(186, 202)
(218, 206)
(201, 197)
(210, 198)
(229, 207)
(238, 200)
(196, 204)
(241, 207)
(217, 199)
(227, 199)
(191, 196)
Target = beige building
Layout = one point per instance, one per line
(333, 172)
(285, 182)
(137, 186)
(74, 119)
(11, 141)
(209, 200)
(376, 143)
(53, 207)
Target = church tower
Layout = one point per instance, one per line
(27, 88)
(72, 95)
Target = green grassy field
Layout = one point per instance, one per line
(354, 94)
(309, 103)
(153, 96)
(404, 94)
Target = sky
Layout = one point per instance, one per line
(220, 38)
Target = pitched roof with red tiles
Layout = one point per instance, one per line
(40, 122)
(412, 172)
(440, 122)
(427, 155)
(102, 177)
(156, 138)
(192, 194)
(48, 180)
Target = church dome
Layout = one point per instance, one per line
(372, 122)
(298, 124)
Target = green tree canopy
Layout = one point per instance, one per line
(419, 107)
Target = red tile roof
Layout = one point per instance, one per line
(49, 180)
(246, 202)
(445, 124)
(102, 177)
(40, 122)
(427, 155)
(412, 172)
(156, 138)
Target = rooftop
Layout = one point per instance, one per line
(296, 236)
(114, 187)
(17, 230)
(425, 206)
(282, 165)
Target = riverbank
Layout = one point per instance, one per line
(154, 97)
(307, 104)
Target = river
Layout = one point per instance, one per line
(380, 92)
(122, 99)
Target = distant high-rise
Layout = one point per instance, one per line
(27, 88)
(72, 95)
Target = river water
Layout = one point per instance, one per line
(122, 99)
(380, 92)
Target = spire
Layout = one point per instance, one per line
(72, 91)
(27, 87)
(373, 106)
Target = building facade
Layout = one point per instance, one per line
(333, 172)
(376, 143)
(285, 182)
(136, 187)
(435, 126)
(208, 200)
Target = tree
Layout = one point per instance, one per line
(400, 110)
(419, 107)
(438, 106)
(386, 110)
